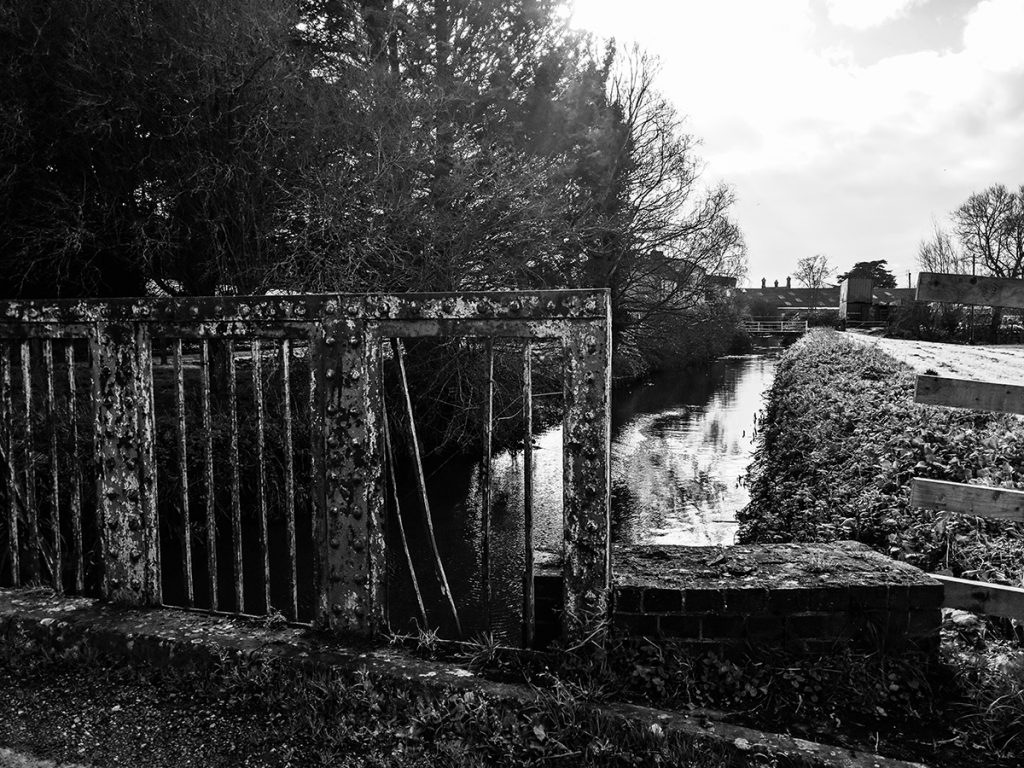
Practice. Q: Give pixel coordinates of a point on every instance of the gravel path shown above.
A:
(12, 759)
(1003, 363)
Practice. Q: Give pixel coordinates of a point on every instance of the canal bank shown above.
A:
(839, 442)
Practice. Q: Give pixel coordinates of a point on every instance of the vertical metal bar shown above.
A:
(585, 454)
(75, 491)
(147, 464)
(317, 416)
(261, 471)
(289, 477)
(392, 483)
(211, 520)
(421, 482)
(485, 483)
(29, 495)
(236, 501)
(7, 444)
(126, 466)
(529, 612)
(51, 424)
(186, 518)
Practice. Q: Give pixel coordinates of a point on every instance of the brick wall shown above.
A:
(802, 597)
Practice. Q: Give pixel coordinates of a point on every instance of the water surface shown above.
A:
(681, 444)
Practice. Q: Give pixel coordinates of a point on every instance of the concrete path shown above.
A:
(1003, 363)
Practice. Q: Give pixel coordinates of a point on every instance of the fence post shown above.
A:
(126, 467)
(586, 449)
(347, 433)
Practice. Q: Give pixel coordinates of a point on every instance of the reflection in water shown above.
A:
(680, 446)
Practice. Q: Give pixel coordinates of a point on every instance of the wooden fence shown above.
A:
(978, 500)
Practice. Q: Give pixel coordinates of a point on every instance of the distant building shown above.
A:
(774, 301)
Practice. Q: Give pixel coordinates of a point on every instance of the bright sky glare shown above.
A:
(845, 126)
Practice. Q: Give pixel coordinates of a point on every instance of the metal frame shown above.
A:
(346, 333)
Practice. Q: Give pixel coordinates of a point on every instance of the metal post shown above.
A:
(348, 519)
(126, 468)
(586, 491)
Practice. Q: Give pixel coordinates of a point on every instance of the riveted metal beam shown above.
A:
(348, 438)
(126, 468)
(586, 450)
(229, 315)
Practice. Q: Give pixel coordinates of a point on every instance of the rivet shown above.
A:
(330, 307)
(330, 373)
(335, 543)
(329, 341)
(135, 555)
(136, 585)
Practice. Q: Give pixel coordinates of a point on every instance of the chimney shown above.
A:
(787, 283)
(764, 283)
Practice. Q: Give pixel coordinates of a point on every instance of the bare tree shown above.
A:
(811, 272)
(941, 253)
(990, 225)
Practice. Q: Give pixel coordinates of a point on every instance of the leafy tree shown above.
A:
(157, 140)
(875, 271)
(346, 145)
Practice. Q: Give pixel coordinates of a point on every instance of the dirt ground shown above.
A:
(984, 362)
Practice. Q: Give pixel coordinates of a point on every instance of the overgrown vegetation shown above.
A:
(839, 441)
(258, 712)
(347, 145)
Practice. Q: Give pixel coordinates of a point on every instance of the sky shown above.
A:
(845, 127)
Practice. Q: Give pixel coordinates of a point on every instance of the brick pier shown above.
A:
(804, 597)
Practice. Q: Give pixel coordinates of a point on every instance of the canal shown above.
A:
(681, 443)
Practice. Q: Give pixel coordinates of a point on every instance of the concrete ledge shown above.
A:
(170, 636)
(805, 597)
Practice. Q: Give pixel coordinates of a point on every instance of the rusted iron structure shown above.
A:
(106, 349)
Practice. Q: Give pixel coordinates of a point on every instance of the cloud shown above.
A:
(864, 14)
(826, 153)
(993, 34)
